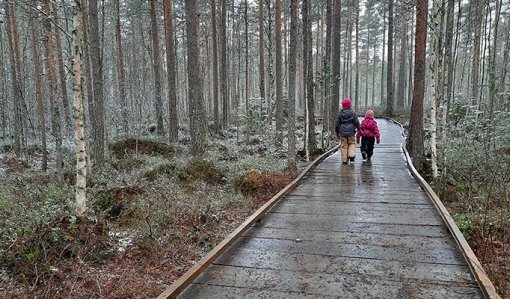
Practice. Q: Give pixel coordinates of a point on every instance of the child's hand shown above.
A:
(378, 140)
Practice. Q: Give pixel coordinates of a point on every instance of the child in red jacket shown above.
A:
(369, 134)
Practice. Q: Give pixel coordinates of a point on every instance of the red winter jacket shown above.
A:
(368, 129)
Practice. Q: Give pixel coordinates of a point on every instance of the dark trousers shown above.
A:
(367, 145)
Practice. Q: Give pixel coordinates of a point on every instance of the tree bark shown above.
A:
(356, 84)
(121, 73)
(195, 92)
(279, 87)
(171, 69)
(330, 115)
(477, 16)
(492, 66)
(310, 103)
(156, 67)
(50, 66)
(415, 138)
(79, 131)
(337, 36)
(39, 93)
(262, 82)
(15, 79)
(402, 72)
(61, 69)
(97, 115)
(214, 29)
(224, 91)
(389, 74)
(246, 59)
(291, 122)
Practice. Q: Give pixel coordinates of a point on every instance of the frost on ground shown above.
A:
(154, 211)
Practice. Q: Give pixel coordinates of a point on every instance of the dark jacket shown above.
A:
(346, 123)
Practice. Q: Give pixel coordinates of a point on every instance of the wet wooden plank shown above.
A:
(360, 217)
(334, 285)
(362, 238)
(410, 253)
(354, 208)
(303, 262)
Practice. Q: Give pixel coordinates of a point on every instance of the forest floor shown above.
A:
(153, 212)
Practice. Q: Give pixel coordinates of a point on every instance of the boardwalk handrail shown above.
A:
(187, 278)
(488, 289)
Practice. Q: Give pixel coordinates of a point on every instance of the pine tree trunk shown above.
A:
(121, 73)
(448, 67)
(15, 79)
(330, 116)
(50, 66)
(195, 92)
(492, 67)
(156, 68)
(262, 82)
(88, 69)
(402, 72)
(61, 69)
(291, 122)
(224, 91)
(279, 87)
(247, 59)
(171, 69)
(214, 29)
(415, 138)
(383, 97)
(39, 93)
(79, 131)
(337, 36)
(389, 74)
(3, 91)
(97, 115)
(307, 52)
(477, 16)
(356, 84)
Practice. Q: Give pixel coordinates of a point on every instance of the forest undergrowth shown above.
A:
(474, 185)
(153, 212)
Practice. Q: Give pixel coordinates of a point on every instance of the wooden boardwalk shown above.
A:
(364, 230)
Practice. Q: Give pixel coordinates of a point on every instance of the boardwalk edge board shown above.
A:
(187, 278)
(488, 289)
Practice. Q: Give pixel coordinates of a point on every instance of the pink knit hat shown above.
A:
(369, 114)
(346, 103)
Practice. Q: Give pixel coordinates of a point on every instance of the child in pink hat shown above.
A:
(347, 124)
(369, 134)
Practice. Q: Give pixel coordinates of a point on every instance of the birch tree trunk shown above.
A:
(437, 69)
(79, 131)
(38, 93)
(50, 66)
